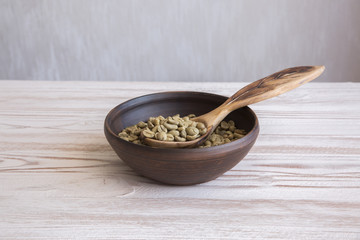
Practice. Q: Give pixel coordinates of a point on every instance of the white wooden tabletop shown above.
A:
(60, 179)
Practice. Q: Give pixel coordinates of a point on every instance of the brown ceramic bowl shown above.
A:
(178, 166)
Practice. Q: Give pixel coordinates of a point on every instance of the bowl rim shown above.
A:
(219, 147)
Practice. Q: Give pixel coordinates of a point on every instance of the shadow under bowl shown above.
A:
(178, 166)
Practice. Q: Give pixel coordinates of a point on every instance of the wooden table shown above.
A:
(59, 178)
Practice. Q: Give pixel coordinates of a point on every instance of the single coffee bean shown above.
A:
(224, 125)
(200, 125)
(180, 139)
(148, 133)
(169, 137)
(192, 131)
(170, 126)
(142, 124)
(174, 132)
(162, 136)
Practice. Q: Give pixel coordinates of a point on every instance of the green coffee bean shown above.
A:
(200, 125)
(137, 131)
(229, 135)
(148, 133)
(217, 130)
(193, 124)
(192, 131)
(213, 137)
(150, 125)
(174, 132)
(172, 121)
(170, 126)
(179, 139)
(224, 125)
(162, 128)
(151, 120)
(203, 131)
(240, 131)
(142, 124)
(183, 133)
(169, 137)
(156, 121)
(232, 128)
(162, 136)
(123, 134)
(131, 129)
(191, 115)
(133, 138)
(183, 124)
(155, 129)
(190, 138)
(221, 132)
(237, 135)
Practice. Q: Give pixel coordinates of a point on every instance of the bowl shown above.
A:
(178, 166)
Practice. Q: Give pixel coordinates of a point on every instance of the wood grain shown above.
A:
(61, 180)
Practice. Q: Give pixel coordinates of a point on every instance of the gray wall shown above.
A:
(173, 40)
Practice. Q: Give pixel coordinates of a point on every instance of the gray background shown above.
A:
(171, 40)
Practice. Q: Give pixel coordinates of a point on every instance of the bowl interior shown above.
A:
(171, 103)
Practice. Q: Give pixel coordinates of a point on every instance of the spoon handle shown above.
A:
(272, 86)
(265, 88)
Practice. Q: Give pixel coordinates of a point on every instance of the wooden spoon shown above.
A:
(257, 91)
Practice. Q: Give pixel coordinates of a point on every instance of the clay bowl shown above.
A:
(178, 166)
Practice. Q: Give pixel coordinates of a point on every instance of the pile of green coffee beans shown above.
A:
(180, 129)
(172, 128)
(226, 132)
